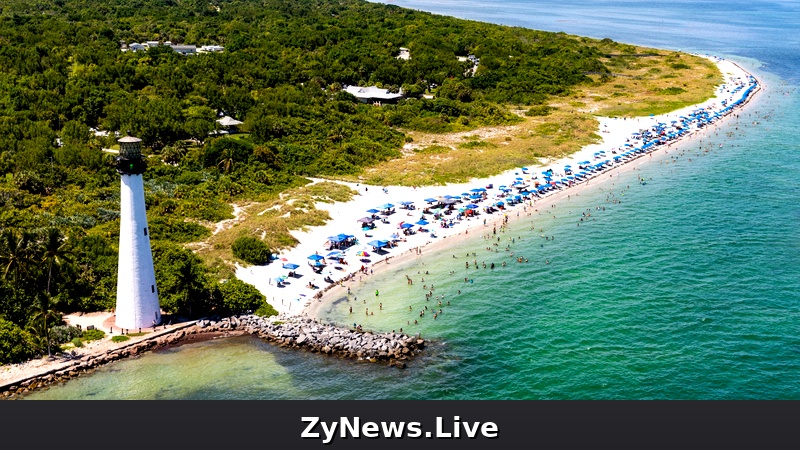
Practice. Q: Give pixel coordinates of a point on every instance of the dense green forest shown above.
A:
(282, 72)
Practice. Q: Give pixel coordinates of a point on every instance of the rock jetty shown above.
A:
(308, 334)
(291, 332)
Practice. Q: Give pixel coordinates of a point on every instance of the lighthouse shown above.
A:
(137, 296)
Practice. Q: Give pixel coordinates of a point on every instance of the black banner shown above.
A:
(399, 424)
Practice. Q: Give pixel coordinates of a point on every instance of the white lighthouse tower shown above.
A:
(137, 296)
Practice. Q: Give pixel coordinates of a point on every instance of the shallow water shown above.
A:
(687, 289)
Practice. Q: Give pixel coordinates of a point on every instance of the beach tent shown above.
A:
(378, 243)
(290, 266)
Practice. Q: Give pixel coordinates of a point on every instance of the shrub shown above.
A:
(540, 110)
(239, 297)
(93, 335)
(119, 338)
(674, 90)
(77, 342)
(266, 310)
(16, 344)
(62, 334)
(251, 250)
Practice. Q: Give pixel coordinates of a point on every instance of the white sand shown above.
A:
(296, 297)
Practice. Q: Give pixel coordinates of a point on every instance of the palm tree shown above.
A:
(15, 250)
(56, 252)
(44, 310)
(172, 154)
(227, 161)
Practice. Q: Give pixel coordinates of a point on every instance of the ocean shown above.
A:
(683, 286)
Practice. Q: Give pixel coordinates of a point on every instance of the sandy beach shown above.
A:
(297, 298)
(308, 291)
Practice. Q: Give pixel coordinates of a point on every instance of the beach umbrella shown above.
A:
(406, 203)
(316, 257)
(472, 206)
(365, 220)
(335, 254)
(406, 225)
(290, 266)
(395, 236)
(387, 206)
(430, 200)
(422, 222)
(281, 278)
(362, 253)
(373, 211)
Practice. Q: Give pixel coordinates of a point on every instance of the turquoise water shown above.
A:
(683, 288)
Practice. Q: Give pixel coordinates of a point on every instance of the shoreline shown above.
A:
(295, 299)
(309, 303)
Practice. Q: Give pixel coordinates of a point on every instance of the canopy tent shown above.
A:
(228, 121)
(378, 243)
(290, 266)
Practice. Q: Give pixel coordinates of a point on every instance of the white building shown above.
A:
(404, 53)
(137, 296)
(185, 49)
(211, 49)
(373, 94)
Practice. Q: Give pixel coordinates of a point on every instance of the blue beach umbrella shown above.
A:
(406, 225)
(373, 211)
(422, 222)
(316, 257)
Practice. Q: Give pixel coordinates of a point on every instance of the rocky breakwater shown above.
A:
(308, 334)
